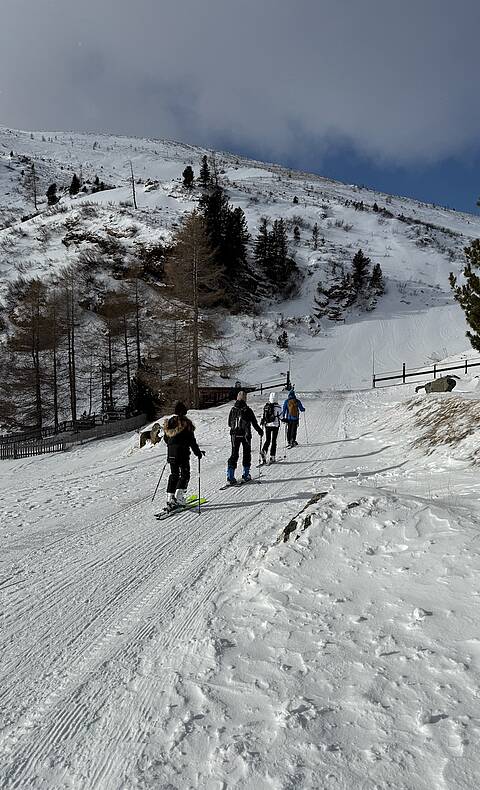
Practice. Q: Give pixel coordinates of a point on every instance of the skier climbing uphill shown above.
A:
(179, 435)
(291, 415)
(240, 421)
(272, 412)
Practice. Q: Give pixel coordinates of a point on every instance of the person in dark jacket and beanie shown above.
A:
(240, 421)
(179, 435)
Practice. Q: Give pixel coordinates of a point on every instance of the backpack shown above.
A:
(239, 424)
(293, 408)
(268, 413)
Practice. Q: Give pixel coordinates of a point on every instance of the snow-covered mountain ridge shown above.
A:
(416, 244)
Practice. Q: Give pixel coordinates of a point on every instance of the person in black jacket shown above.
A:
(240, 421)
(179, 435)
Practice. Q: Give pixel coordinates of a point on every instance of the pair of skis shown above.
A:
(190, 503)
(239, 484)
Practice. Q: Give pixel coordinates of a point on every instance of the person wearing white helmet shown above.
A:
(272, 412)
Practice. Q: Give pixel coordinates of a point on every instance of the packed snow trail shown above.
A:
(100, 614)
(201, 652)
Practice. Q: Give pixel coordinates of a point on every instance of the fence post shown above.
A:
(373, 382)
(403, 374)
(466, 366)
(435, 371)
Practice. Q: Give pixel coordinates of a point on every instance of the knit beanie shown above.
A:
(180, 409)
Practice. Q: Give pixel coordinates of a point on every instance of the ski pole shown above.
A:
(260, 457)
(199, 485)
(285, 441)
(156, 489)
(305, 426)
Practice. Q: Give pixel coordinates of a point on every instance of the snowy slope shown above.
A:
(416, 321)
(204, 651)
(200, 652)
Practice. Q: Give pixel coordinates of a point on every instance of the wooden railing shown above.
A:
(58, 444)
(434, 370)
(64, 427)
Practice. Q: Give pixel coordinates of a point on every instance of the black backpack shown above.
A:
(268, 413)
(238, 423)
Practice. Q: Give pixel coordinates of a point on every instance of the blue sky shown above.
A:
(366, 91)
(450, 182)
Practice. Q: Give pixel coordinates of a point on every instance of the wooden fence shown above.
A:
(31, 447)
(435, 370)
(66, 426)
(58, 444)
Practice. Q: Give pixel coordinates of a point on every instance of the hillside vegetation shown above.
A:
(311, 275)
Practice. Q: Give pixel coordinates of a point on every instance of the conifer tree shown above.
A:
(228, 236)
(30, 184)
(360, 272)
(296, 234)
(262, 245)
(188, 177)
(26, 343)
(468, 294)
(315, 236)
(52, 195)
(205, 178)
(194, 280)
(377, 282)
(75, 185)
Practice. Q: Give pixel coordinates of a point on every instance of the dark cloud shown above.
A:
(394, 80)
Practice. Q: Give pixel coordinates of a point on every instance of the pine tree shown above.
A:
(75, 185)
(296, 234)
(188, 177)
(468, 294)
(215, 207)
(235, 240)
(262, 245)
(279, 252)
(30, 184)
(377, 282)
(228, 236)
(205, 178)
(27, 346)
(194, 281)
(360, 272)
(52, 195)
(315, 236)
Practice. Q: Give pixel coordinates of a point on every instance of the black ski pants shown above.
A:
(246, 445)
(292, 428)
(179, 474)
(271, 434)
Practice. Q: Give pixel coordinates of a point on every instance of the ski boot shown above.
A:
(231, 476)
(180, 497)
(171, 502)
(263, 456)
(246, 477)
(272, 460)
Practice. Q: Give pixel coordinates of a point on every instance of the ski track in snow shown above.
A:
(103, 612)
(201, 652)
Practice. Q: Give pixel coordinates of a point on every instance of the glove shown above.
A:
(202, 452)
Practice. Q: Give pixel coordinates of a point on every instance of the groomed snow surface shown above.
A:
(221, 650)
